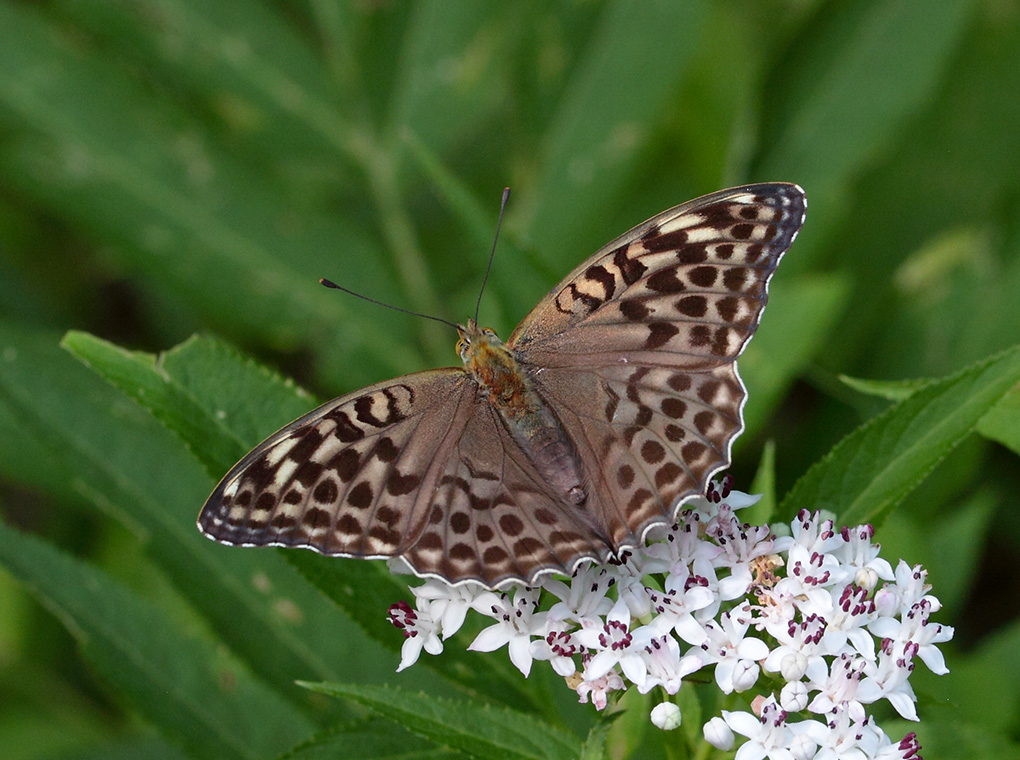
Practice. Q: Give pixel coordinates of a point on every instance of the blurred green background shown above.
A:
(171, 167)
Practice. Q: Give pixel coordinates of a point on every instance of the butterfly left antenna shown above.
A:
(492, 254)
(334, 286)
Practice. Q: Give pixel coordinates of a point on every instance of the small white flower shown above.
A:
(666, 716)
(777, 612)
(794, 696)
(770, 735)
(630, 588)
(745, 674)
(859, 552)
(808, 572)
(615, 644)
(889, 677)
(448, 604)
(852, 611)
(910, 587)
(674, 607)
(516, 623)
(682, 543)
(811, 532)
(721, 492)
(420, 632)
(907, 748)
(866, 578)
(730, 651)
(718, 734)
(803, 747)
(916, 628)
(792, 666)
(848, 738)
(584, 601)
(840, 688)
(800, 646)
(664, 665)
(598, 690)
(558, 647)
(741, 544)
(887, 602)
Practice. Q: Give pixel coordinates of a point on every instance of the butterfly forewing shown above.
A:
(350, 478)
(684, 289)
(633, 358)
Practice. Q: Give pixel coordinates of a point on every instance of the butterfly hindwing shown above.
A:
(648, 436)
(493, 518)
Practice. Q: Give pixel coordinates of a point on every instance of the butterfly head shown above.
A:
(475, 342)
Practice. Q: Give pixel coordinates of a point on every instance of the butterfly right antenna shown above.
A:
(488, 268)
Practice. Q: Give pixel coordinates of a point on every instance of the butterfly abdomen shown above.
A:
(541, 436)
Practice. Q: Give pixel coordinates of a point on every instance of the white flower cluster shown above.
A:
(830, 623)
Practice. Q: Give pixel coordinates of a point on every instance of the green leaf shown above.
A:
(373, 738)
(348, 583)
(873, 468)
(1002, 423)
(892, 390)
(181, 684)
(139, 376)
(240, 394)
(476, 730)
(594, 747)
(218, 402)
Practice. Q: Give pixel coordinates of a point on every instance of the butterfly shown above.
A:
(614, 401)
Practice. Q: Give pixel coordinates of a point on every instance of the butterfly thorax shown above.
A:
(505, 384)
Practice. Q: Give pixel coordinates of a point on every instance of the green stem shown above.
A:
(703, 751)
